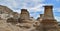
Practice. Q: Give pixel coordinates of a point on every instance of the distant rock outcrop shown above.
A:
(6, 12)
(4, 9)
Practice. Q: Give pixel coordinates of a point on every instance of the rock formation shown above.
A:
(40, 18)
(24, 16)
(23, 22)
(48, 13)
(4, 9)
(6, 12)
(49, 23)
(15, 15)
(12, 21)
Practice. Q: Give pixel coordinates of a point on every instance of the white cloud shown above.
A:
(57, 18)
(35, 15)
(56, 9)
(9, 3)
(29, 4)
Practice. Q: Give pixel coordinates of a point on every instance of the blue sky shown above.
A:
(35, 7)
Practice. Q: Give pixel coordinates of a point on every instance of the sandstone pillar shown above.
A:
(48, 13)
(24, 14)
(48, 22)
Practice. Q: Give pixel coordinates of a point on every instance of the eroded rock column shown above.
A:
(24, 14)
(48, 12)
(48, 22)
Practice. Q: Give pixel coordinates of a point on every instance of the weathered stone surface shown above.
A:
(15, 15)
(8, 27)
(12, 21)
(24, 14)
(48, 13)
(6, 12)
(4, 9)
(48, 21)
(40, 18)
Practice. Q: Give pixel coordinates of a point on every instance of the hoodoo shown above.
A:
(48, 21)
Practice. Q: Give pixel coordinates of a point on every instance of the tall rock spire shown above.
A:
(48, 12)
(48, 22)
